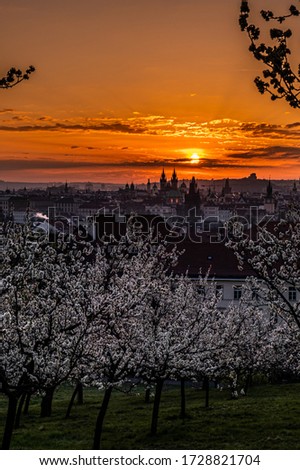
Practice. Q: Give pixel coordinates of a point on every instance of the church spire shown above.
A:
(163, 181)
(269, 190)
(174, 180)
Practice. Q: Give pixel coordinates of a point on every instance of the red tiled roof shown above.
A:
(216, 258)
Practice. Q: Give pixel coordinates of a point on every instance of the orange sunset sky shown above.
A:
(125, 87)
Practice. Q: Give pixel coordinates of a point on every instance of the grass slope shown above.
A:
(269, 418)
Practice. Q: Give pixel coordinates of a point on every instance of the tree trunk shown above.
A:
(182, 399)
(248, 383)
(158, 390)
(233, 388)
(46, 405)
(206, 388)
(147, 394)
(71, 403)
(79, 393)
(100, 419)
(19, 410)
(26, 406)
(10, 421)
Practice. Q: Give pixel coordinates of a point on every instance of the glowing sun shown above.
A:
(195, 158)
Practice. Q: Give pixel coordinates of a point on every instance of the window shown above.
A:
(292, 294)
(237, 292)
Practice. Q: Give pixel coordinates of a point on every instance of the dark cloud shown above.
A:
(253, 126)
(164, 126)
(18, 118)
(43, 164)
(117, 127)
(47, 164)
(6, 110)
(272, 153)
(293, 125)
(290, 131)
(223, 163)
(84, 147)
(252, 158)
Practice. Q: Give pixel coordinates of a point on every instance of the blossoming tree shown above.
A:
(42, 327)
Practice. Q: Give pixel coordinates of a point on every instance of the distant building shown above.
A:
(66, 206)
(5, 206)
(269, 203)
(227, 189)
(149, 187)
(192, 199)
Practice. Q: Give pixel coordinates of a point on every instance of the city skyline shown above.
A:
(124, 88)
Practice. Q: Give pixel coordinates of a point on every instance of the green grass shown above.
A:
(268, 418)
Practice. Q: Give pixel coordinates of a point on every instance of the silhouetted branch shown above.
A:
(15, 76)
(278, 79)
